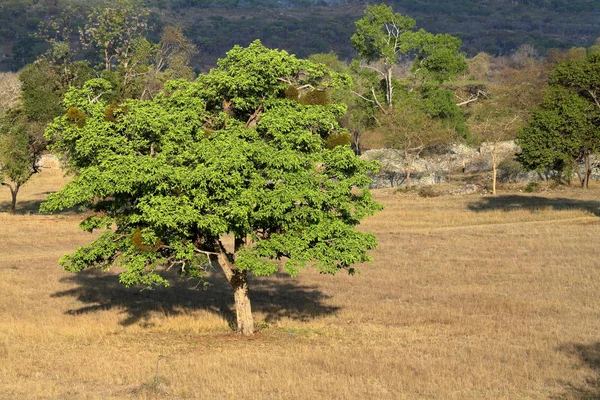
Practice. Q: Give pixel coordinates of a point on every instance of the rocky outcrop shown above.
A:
(435, 168)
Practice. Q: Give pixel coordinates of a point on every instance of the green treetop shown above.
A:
(233, 153)
(565, 130)
(390, 38)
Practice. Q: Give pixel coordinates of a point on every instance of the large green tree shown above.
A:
(233, 154)
(565, 131)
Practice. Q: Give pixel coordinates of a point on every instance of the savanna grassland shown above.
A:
(469, 297)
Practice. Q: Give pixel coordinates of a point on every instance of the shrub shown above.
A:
(427, 191)
(532, 187)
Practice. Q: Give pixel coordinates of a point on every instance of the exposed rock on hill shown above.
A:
(455, 161)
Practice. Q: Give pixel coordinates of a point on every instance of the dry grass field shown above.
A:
(472, 297)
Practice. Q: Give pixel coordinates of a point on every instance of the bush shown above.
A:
(427, 191)
(402, 189)
(532, 187)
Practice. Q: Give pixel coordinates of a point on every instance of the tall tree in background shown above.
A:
(114, 30)
(415, 98)
(389, 38)
(503, 93)
(565, 131)
(237, 153)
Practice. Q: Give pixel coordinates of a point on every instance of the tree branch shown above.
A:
(254, 115)
(206, 253)
(594, 96)
(472, 99)
(377, 101)
(374, 69)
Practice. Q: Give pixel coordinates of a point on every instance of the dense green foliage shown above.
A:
(230, 153)
(382, 35)
(565, 130)
(389, 38)
(20, 149)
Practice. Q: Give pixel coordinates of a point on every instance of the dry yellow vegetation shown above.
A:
(470, 297)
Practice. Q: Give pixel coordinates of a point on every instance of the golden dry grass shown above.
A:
(470, 297)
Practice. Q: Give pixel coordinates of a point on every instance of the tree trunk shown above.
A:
(494, 172)
(588, 172)
(389, 87)
(14, 191)
(243, 310)
(13, 204)
(106, 58)
(408, 161)
(239, 282)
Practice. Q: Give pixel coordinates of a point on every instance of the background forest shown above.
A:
(306, 27)
(407, 89)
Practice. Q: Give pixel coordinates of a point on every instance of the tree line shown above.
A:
(307, 27)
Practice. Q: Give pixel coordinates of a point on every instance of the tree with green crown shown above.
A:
(390, 38)
(241, 152)
(564, 132)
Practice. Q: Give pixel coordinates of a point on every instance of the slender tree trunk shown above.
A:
(106, 59)
(588, 171)
(239, 282)
(14, 191)
(494, 172)
(13, 204)
(389, 88)
(408, 171)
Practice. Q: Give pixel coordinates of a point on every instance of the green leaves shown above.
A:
(16, 161)
(566, 127)
(380, 33)
(228, 154)
(384, 35)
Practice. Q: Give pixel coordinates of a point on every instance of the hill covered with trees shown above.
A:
(305, 27)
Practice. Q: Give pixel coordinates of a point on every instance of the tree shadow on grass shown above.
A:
(533, 203)
(589, 357)
(33, 207)
(272, 297)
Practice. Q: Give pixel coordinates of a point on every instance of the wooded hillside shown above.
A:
(305, 27)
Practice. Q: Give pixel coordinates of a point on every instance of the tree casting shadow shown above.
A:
(270, 296)
(533, 203)
(589, 356)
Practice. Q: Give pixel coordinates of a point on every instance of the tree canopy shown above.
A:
(21, 145)
(565, 130)
(390, 38)
(233, 153)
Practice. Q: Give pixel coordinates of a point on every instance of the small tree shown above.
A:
(19, 154)
(510, 96)
(495, 128)
(233, 153)
(411, 130)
